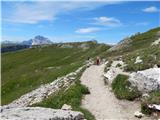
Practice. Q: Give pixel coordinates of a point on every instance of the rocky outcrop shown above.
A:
(44, 91)
(39, 113)
(147, 80)
(37, 40)
(122, 44)
(156, 42)
(84, 46)
(154, 106)
(114, 70)
(67, 46)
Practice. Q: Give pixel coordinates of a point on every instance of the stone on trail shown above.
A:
(138, 114)
(66, 107)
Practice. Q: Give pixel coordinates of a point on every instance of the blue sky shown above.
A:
(105, 21)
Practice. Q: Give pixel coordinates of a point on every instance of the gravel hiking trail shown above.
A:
(101, 102)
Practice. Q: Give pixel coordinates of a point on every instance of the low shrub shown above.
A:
(123, 89)
(145, 109)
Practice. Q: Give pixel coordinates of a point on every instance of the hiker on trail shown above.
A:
(97, 61)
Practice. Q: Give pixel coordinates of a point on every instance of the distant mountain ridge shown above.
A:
(8, 42)
(8, 46)
(37, 40)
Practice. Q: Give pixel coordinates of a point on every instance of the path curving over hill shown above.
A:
(101, 102)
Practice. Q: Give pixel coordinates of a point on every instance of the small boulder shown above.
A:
(66, 107)
(145, 96)
(154, 107)
(138, 60)
(138, 114)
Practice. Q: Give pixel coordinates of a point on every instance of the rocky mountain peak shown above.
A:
(38, 40)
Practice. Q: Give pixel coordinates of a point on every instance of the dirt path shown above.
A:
(102, 102)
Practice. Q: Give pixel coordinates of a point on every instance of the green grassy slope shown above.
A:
(150, 56)
(138, 42)
(25, 70)
(140, 45)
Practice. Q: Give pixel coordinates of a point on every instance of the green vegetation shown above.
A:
(140, 45)
(138, 41)
(122, 88)
(149, 56)
(25, 70)
(71, 96)
(143, 40)
(154, 98)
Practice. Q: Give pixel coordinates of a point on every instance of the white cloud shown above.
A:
(34, 12)
(88, 30)
(107, 21)
(151, 9)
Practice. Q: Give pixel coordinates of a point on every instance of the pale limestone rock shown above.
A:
(39, 113)
(66, 107)
(154, 106)
(146, 80)
(66, 46)
(145, 96)
(113, 71)
(156, 42)
(138, 60)
(122, 44)
(84, 46)
(138, 114)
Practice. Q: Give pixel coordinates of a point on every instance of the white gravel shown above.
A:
(101, 102)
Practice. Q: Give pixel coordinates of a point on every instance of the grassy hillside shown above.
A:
(136, 42)
(139, 45)
(25, 70)
(149, 56)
